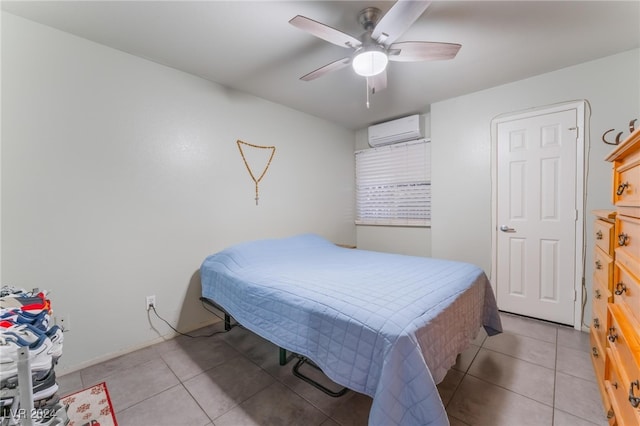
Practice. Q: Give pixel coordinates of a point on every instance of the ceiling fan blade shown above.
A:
(413, 51)
(377, 82)
(333, 66)
(325, 32)
(397, 20)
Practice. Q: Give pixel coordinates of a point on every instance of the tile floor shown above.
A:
(535, 373)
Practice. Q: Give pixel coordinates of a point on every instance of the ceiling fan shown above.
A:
(376, 46)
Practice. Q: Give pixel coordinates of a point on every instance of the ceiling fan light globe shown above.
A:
(369, 63)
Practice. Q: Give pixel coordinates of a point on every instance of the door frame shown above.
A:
(581, 107)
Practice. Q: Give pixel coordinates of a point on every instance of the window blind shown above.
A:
(393, 184)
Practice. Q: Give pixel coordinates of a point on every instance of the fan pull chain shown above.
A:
(367, 86)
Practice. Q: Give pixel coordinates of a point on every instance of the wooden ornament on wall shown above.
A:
(255, 179)
(619, 137)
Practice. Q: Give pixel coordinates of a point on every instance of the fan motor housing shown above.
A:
(369, 17)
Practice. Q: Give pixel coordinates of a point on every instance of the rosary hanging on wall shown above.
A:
(246, 163)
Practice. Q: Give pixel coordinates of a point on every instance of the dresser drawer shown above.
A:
(598, 355)
(626, 290)
(618, 393)
(627, 240)
(602, 268)
(601, 296)
(603, 232)
(623, 339)
(599, 323)
(626, 180)
(598, 360)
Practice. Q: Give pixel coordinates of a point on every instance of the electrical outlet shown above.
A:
(64, 322)
(151, 301)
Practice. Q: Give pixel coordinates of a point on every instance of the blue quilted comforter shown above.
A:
(386, 325)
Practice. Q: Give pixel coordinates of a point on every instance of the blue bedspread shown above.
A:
(385, 325)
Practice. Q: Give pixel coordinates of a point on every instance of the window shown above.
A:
(393, 184)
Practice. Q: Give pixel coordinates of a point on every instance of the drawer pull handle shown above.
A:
(612, 337)
(634, 400)
(622, 187)
(598, 264)
(598, 295)
(610, 414)
(620, 288)
(599, 235)
(595, 352)
(615, 385)
(623, 239)
(596, 324)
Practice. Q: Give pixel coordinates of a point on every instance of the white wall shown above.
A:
(461, 147)
(415, 241)
(120, 175)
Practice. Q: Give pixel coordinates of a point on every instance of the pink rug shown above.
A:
(90, 407)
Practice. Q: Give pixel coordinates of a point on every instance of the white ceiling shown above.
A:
(250, 46)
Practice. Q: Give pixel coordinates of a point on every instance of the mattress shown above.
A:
(386, 325)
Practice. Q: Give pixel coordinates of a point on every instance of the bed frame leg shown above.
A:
(227, 317)
(227, 322)
(296, 372)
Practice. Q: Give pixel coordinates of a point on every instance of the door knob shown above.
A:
(505, 228)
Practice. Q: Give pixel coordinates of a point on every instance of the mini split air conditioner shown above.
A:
(395, 131)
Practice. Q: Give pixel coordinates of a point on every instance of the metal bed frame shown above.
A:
(284, 359)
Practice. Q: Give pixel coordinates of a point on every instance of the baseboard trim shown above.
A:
(62, 370)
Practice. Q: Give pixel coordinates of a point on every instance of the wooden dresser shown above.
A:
(615, 327)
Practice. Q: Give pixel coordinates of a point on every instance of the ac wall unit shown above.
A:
(400, 130)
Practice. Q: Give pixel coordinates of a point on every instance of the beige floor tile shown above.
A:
(482, 334)
(252, 346)
(97, 373)
(480, 403)
(266, 354)
(527, 379)
(455, 422)
(560, 418)
(354, 412)
(197, 355)
(330, 422)
(525, 348)
(274, 405)
(575, 362)
(529, 327)
(169, 408)
(464, 360)
(223, 387)
(135, 384)
(327, 404)
(579, 397)
(574, 339)
(448, 386)
(69, 383)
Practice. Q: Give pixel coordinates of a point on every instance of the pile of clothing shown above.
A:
(26, 325)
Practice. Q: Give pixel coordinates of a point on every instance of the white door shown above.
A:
(536, 213)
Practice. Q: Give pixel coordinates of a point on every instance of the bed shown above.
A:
(386, 325)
